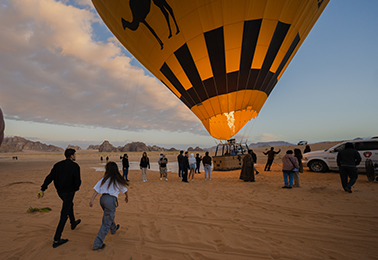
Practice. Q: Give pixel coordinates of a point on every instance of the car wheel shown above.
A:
(317, 166)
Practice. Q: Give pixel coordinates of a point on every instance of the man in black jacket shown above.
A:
(180, 159)
(347, 160)
(66, 177)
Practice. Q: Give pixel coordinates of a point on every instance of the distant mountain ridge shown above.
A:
(18, 144)
(131, 147)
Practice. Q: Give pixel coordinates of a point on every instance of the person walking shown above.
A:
(125, 166)
(185, 167)
(192, 165)
(247, 171)
(180, 159)
(144, 163)
(271, 153)
(289, 164)
(207, 165)
(198, 163)
(163, 167)
(110, 185)
(347, 160)
(66, 177)
(299, 156)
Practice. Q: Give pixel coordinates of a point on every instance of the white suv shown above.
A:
(321, 161)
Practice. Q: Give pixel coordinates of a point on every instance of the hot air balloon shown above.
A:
(2, 127)
(221, 58)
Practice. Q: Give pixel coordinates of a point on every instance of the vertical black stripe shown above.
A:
(275, 44)
(251, 32)
(186, 61)
(215, 48)
(167, 72)
(284, 61)
(232, 81)
(210, 87)
(253, 75)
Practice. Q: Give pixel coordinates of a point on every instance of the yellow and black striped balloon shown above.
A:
(221, 58)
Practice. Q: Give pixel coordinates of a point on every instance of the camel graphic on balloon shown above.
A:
(141, 8)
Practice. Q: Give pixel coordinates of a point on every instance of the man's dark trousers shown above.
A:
(346, 172)
(67, 211)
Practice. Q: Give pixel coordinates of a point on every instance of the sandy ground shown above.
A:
(224, 218)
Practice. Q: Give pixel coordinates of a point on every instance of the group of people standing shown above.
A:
(188, 166)
(192, 165)
(347, 161)
(291, 166)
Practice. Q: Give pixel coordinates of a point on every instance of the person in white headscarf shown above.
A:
(192, 165)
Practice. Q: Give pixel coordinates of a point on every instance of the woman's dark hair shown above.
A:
(298, 154)
(144, 153)
(289, 152)
(112, 173)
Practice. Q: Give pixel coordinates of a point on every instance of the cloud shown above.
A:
(53, 72)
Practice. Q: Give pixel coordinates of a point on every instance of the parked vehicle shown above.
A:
(321, 161)
(302, 143)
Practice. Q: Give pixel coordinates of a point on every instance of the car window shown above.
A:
(363, 146)
(339, 148)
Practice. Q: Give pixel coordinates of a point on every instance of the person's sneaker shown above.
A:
(289, 187)
(59, 242)
(348, 190)
(77, 222)
(113, 232)
(257, 172)
(99, 247)
(284, 187)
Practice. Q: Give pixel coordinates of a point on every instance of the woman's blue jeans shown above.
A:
(289, 174)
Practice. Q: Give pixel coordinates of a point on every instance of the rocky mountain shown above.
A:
(131, 147)
(93, 147)
(18, 143)
(107, 147)
(6, 148)
(197, 149)
(77, 148)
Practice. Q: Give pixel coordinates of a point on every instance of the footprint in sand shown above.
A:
(221, 247)
(196, 255)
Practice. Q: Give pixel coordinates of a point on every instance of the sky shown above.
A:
(65, 79)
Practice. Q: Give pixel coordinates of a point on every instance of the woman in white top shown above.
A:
(192, 165)
(110, 185)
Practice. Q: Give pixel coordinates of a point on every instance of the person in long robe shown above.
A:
(247, 172)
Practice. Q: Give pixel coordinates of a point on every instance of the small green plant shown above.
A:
(32, 210)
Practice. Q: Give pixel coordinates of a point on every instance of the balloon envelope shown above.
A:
(221, 58)
(2, 126)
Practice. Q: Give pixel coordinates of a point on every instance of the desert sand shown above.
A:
(224, 218)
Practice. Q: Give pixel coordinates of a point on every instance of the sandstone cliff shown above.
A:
(20, 144)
